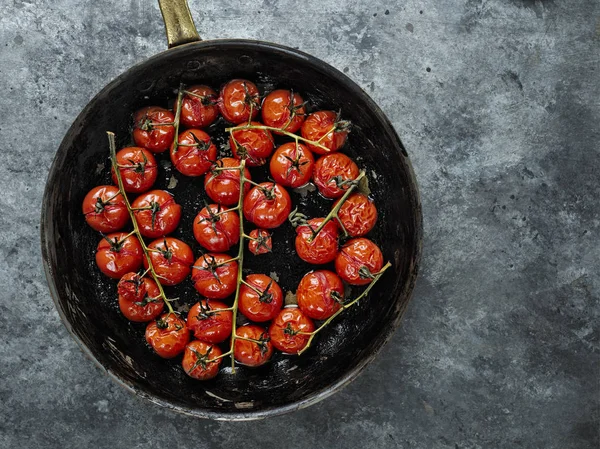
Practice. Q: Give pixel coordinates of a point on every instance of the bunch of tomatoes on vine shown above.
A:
(145, 259)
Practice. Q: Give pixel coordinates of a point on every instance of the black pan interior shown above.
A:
(87, 301)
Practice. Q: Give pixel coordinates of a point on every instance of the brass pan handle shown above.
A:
(178, 22)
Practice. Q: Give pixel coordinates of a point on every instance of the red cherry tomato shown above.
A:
(267, 205)
(239, 101)
(168, 335)
(260, 242)
(260, 298)
(150, 132)
(216, 229)
(223, 186)
(332, 174)
(320, 249)
(171, 258)
(292, 165)
(215, 275)
(118, 254)
(138, 169)
(200, 360)
(252, 353)
(284, 110)
(104, 209)
(358, 214)
(157, 213)
(139, 298)
(320, 294)
(198, 107)
(209, 325)
(194, 153)
(285, 330)
(254, 145)
(326, 128)
(358, 260)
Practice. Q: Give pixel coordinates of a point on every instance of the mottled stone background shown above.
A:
(498, 104)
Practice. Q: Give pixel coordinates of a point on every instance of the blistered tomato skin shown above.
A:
(156, 213)
(285, 330)
(358, 260)
(332, 174)
(284, 110)
(105, 210)
(260, 298)
(292, 165)
(321, 249)
(194, 153)
(320, 294)
(215, 229)
(358, 214)
(168, 335)
(118, 254)
(207, 323)
(215, 275)
(326, 128)
(267, 205)
(138, 169)
(199, 107)
(200, 360)
(153, 128)
(252, 353)
(223, 186)
(260, 242)
(254, 145)
(143, 306)
(172, 260)
(239, 101)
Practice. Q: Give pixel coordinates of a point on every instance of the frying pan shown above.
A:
(86, 301)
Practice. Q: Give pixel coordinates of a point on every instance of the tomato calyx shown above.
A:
(266, 296)
(166, 252)
(101, 204)
(341, 182)
(249, 99)
(116, 245)
(162, 324)
(206, 312)
(201, 145)
(268, 192)
(262, 241)
(211, 266)
(147, 300)
(213, 217)
(336, 297)
(295, 164)
(289, 330)
(155, 209)
(341, 125)
(206, 100)
(136, 281)
(365, 273)
(201, 359)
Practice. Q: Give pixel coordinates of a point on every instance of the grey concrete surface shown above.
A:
(498, 103)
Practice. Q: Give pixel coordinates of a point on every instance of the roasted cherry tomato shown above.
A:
(320, 249)
(168, 335)
(283, 109)
(267, 205)
(358, 214)
(216, 229)
(223, 186)
(200, 360)
(215, 275)
(239, 101)
(252, 353)
(194, 153)
(358, 261)
(139, 298)
(199, 107)
(157, 213)
(260, 298)
(292, 165)
(254, 145)
(286, 327)
(326, 128)
(172, 260)
(333, 174)
(260, 242)
(118, 254)
(104, 209)
(207, 323)
(138, 169)
(320, 294)
(153, 128)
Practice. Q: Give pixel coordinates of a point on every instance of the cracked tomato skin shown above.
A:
(199, 112)
(358, 214)
(239, 97)
(109, 217)
(284, 328)
(284, 110)
(250, 353)
(328, 168)
(323, 248)
(131, 304)
(190, 358)
(116, 262)
(166, 218)
(168, 335)
(217, 285)
(192, 160)
(257, 144)
(292, 165)
(138, 169)
(266, 212)
(355, 254)
(210, 327)
(256, 247)
(319, 124)
(223, 187)
(260, 308)
(154, 138)
(216, 233)
(314, 294)
(171, 263)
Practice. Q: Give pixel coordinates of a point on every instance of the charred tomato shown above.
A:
(156, 213)
(104, 209)
(171, 258)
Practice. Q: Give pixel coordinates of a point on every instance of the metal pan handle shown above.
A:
(178, 22)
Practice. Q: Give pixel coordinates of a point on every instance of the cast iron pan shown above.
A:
(86, 301)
